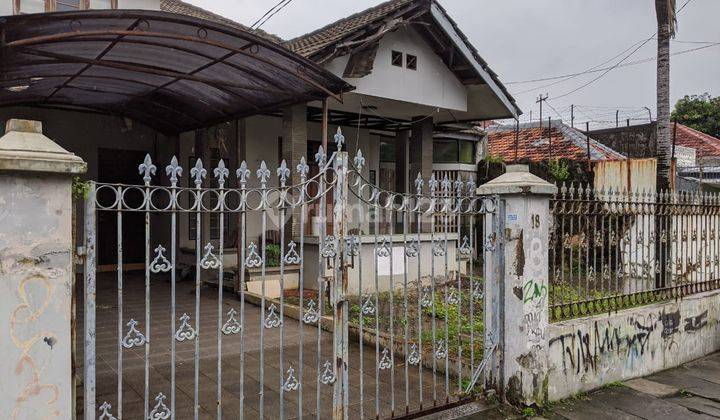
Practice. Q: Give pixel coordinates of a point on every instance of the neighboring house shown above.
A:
(697, 155)
(401, 77)
(590, 160)
(638, 141)
(536, 142)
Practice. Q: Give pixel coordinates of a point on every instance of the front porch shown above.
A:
(257, 377)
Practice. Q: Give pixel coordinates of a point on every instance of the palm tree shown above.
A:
(666, 20)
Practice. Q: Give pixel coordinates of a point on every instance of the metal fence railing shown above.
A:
(612, 249)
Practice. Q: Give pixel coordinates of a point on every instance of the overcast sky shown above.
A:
(523, 39)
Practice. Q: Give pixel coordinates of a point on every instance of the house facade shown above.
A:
(406, 85)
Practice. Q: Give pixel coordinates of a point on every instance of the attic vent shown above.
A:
(396, 59)
(411, 62)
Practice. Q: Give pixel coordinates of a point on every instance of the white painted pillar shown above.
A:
(36, 273)
(517, 298)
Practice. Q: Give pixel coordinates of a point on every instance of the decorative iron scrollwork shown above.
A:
(160, 263)
(272, 320)
(385, 360)
(160, 411)
(133, 338)
(209, 260)
(185, 331)
(232, 325)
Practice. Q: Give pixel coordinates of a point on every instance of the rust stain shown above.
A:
(519, 256)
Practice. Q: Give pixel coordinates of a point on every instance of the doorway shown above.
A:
(120, 166)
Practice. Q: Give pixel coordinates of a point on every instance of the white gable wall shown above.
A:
(38, 6)
(432, 84)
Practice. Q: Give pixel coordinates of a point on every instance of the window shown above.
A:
(467, 152)
(40, 6)
(411, 61)
(67, 5)
(387, 150)
(396, 58)
(453, 151)
(445, 151)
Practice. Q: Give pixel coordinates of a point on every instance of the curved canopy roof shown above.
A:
(172, 72)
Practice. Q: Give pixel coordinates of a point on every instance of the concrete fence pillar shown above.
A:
(517, 296)
(36, 273)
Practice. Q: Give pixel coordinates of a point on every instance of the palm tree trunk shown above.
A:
(665, 11)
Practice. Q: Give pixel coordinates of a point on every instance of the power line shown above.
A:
(628, 64)
(620, 62)
(643, 43)
(270, 13)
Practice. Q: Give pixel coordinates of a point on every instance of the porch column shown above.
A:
(421, 155)
(294, 147)
(36, 287)
(401, 161)
(516, 291)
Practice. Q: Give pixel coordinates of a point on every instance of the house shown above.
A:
(539, 142)
(168, 78)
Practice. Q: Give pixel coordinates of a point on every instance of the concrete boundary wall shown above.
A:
(587, 353)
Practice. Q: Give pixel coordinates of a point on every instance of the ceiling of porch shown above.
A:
(174, 73)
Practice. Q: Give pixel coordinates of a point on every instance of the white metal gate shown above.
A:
(346, 323)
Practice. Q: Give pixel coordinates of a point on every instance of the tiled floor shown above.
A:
(259, 343)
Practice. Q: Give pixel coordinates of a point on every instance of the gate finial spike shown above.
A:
(198, 172)
(174, 170)
(320, 156)
(303, 168)
(419, 184)
(471, 186)
(147, 168)
(221, 172)
(243, 173)
(263, 173)
(432, 184)
(359, 160)
(283, 172)
(339, 139)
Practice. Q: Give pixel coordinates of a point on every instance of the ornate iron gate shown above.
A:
(347, 323)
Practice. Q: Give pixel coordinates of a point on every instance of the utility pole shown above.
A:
(617, 118)
(572, 115)
(541, 99)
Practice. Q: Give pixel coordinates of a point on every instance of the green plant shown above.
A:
(80, 188)
(272, 255)
(528, 412)
(559, 169)
(615, 384)
(493, 159)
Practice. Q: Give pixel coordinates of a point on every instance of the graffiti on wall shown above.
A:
(628, 340)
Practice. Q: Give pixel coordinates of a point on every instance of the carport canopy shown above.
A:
(172, 72)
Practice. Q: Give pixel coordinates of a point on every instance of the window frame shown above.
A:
(411, 65)
(397, 58)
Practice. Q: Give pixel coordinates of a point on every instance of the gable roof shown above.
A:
(705, 144)
(534, 145)
(331, 34)
(187, 9)
(429, 19)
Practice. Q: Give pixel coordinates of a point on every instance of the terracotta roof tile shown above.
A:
(705, 144)
(310, 43)
(182, 8)
(535, 146)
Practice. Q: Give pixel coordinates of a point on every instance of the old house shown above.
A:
(396, 74)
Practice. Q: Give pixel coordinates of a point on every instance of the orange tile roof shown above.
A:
(537, 144)
(705, 144)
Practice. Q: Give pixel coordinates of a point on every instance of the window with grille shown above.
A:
(396, 58)
(411, 61)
